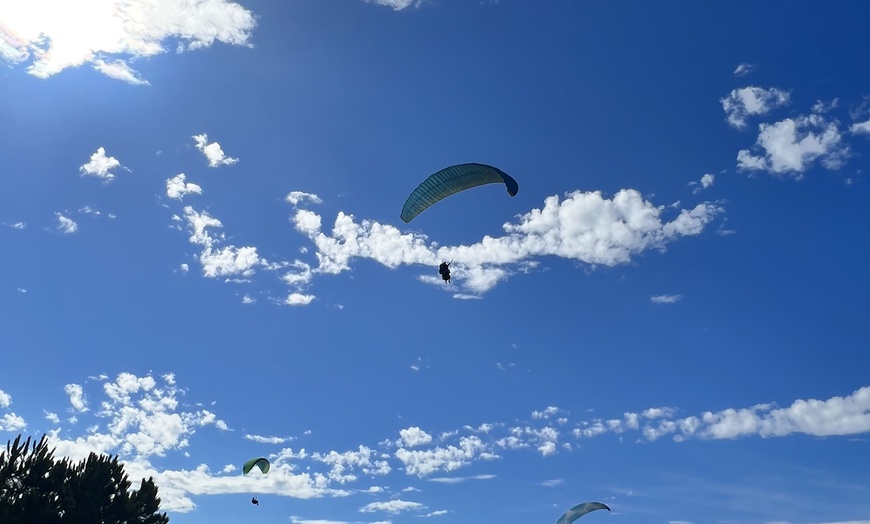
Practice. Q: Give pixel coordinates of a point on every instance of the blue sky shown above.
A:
(204, 260)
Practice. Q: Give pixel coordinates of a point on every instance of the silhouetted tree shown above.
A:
(35, 488)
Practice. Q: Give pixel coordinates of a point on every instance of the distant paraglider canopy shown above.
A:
(451, 180)
(579, 510)
(259, 462)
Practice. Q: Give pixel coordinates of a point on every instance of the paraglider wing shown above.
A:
(579, 510)
(452, 180)
(259, 462)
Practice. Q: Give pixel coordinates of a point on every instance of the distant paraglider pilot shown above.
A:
(444, 271)
(254, 501)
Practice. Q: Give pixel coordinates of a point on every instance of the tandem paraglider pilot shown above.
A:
(444, 271)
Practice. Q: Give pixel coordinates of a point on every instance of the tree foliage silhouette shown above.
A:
(35, 488)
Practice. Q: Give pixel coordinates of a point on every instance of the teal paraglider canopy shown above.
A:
(259, 462)
(579, 510)
(452, 180)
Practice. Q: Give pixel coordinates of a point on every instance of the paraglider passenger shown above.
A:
(255, 501)
(444, 271)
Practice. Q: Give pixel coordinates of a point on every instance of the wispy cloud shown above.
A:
(268, 440)
(66, 224)
(860, 128)
(398, 5)
(665, 299)
(552, 482)
(546, 413)
(744, 69)
(393, 507)
(705, 182)
(459, 480)
(120, 70)
(297, 197)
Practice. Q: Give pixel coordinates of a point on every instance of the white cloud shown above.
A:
(595, 428)
(836, 416)
(392, 507)
(213, 152)
(823, 107)
(343, 464)
(654, 413)
(101, 166)
(459, 480)
(665, 299)
(548, 412)
(298, 299)
(298, 278)
(177, 187)
(584, 226)
(217, 262)
(268, 440)
(296, 197)
(248, 299)
(16, 225)
(141, 417)
(425, 462)
(860, 128)
(66, 224)
(12, 422)
(413, 436)
(792, 145)
(52, 417)
(553, 482)
(76, 397)
(398, 5)
(546, 438)
(743, 103)
(705, 182)
(88, 210)
(56, 34)
(744, 69)
(486, 427)
(436, 513)
(120, 70)
(140, 420)
(5, 399)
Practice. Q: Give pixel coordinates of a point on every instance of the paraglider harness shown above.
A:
(444, 271)
(255, 501)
